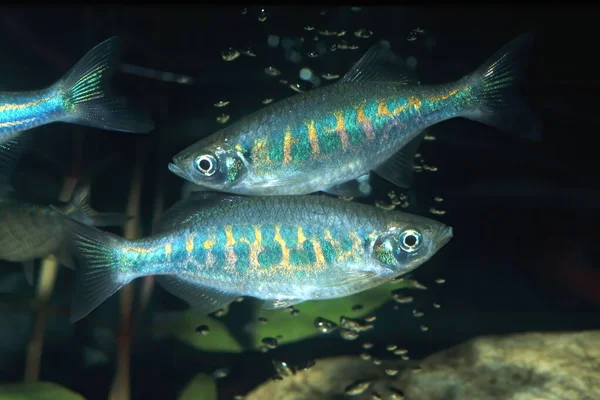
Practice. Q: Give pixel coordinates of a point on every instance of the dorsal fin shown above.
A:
(380, 64)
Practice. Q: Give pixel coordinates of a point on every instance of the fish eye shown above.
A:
(206, 165)
(410, 240)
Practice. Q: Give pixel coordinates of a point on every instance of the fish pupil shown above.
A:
(410, 240)
(205, 165)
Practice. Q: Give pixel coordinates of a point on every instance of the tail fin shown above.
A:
(81, 210)
(99, 275)
(495, 85)
(87, 93)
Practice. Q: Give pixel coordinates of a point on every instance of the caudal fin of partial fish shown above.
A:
(495, 87)
(87, 96)
(80, 209)
(98, 275)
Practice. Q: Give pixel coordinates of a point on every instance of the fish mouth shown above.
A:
(178, 171)
(444, 237)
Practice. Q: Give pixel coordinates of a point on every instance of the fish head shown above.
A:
(215, 165)
(409, 240)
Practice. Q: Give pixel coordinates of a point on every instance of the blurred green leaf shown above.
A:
(183, 326)
(37, 391)
(201, 387)
(301, 326)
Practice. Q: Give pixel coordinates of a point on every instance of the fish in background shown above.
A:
(82, 96)
(29, 231)
(330, 138)
(212, 248)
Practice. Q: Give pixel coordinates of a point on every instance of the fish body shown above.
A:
(81, 96)
(29, 231)
(370, 121)
(282, 249)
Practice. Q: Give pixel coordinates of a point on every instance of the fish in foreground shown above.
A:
(81, 96)
(212, 248)
(330, 138)
(29, 231)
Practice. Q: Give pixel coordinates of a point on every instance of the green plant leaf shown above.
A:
(201, 387)
(183, 325)
(298, 327)
(37, 391)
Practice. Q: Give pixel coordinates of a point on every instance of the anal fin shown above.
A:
(204, 299)
(359, 187)
(399, 168)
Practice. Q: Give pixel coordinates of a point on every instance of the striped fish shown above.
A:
(212, 248)
(330, 138)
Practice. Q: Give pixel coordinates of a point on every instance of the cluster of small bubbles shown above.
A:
(272, 71)
(330, 77)
(273, 41)
(309, 28)
(391, 347)
(417, 168)
(356, 325)
(440, 281)
(436, 211)
(333, 47)
(341, 33)
(343, 45)
(270, 342)
(283, 81)
(431, 138)
(267, 101)
(400, 352)
(405, 357)
(325, 325)
(347, 334)
(357, 307)
(221, 103)
(262, 15)
(401, 298)
(230, 54)
(262, 320)
(221, 312)
(221, 373)
(357, 388)
(416, 368)
(430, 168)
(418, 313)
(363, 33)
(438, 199)
(312, 54)
(203, 329)
(391, 371)
(346, 198)
(371, 318)
(424, 328)
(367, 345)
(223, 118)
(437, 305)
(377, 361)
(376, 396)
(248, 52)
(365, 356)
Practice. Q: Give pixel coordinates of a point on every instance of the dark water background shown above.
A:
(525, 215)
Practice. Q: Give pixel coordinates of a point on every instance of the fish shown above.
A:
(331, 138)
(82, 96)
(29, 231)
(212, 248)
